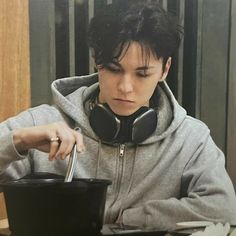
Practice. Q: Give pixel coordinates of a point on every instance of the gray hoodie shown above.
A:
(177, 174)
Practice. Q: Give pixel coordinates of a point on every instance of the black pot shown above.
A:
(49, 206)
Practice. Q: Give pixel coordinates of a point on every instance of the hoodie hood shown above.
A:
(70, 95)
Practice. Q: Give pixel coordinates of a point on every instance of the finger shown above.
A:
(68, 150)
(78, 139)
(54, 145)
(79, 142)
(66, 145)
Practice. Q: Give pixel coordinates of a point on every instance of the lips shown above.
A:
(123, 100)
(123, 107)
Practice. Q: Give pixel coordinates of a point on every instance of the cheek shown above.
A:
(106, 89)
(146, 92)
(106, 85)
(146, 89)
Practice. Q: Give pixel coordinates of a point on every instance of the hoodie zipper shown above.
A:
(119, 178)
(121, 150)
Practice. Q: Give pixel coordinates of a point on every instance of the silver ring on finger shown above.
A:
(54, 139)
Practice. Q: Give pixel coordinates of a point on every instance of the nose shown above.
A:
(125, 84)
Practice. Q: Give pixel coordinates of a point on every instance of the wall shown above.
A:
(231, 109)
(14, 62)
(202, 75)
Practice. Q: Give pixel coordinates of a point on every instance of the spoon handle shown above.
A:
(71, 165)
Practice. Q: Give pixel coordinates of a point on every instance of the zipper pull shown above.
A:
(122, 150)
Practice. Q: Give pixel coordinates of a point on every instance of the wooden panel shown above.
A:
(231, 128)
(190, 55)
(62, 40)
(81, 47)
(3, 213)
(42, 49)
(14, 57)
(14, 62)
(175, 75)
(214, 60)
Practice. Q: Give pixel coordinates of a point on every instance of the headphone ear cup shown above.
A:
(144, 125)
(104, 123)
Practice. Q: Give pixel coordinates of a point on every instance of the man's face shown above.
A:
(129, 84)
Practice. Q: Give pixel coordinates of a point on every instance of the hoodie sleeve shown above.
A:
(12, 164)
(207, 194)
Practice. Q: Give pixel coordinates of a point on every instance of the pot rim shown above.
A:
(52, 181)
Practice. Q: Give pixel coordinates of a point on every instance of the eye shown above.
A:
(113, 68)
(142, 74)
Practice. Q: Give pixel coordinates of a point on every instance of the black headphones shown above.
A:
(113, 128)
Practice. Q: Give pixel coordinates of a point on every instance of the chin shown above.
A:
(124, 112)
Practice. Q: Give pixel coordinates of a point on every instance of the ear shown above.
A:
(166, 69)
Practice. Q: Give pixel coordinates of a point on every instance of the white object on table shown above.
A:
(214, 230)
(193, 224)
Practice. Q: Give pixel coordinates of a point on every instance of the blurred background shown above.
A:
(43, 40)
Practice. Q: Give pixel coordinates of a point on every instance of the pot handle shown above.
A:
(71, 165)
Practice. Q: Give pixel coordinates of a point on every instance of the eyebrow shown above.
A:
(145, 67)
(138, 68)
(115, 63)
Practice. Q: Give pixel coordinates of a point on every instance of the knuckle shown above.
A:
(67, 153)
(69, 139)
(78, 135)
(63, 124)
(59, 152)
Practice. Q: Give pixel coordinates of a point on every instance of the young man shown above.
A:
(164, 165)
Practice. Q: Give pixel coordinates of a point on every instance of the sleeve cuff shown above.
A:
(17, 154)
(134, 217)
(8, 150)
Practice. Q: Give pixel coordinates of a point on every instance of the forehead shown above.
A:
(137, 54)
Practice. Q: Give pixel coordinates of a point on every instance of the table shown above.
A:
(108, 230)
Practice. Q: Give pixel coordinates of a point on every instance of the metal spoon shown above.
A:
(71, 165)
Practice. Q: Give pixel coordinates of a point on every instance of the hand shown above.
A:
(57, 139)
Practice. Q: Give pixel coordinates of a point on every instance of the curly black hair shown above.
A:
(112, 30)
